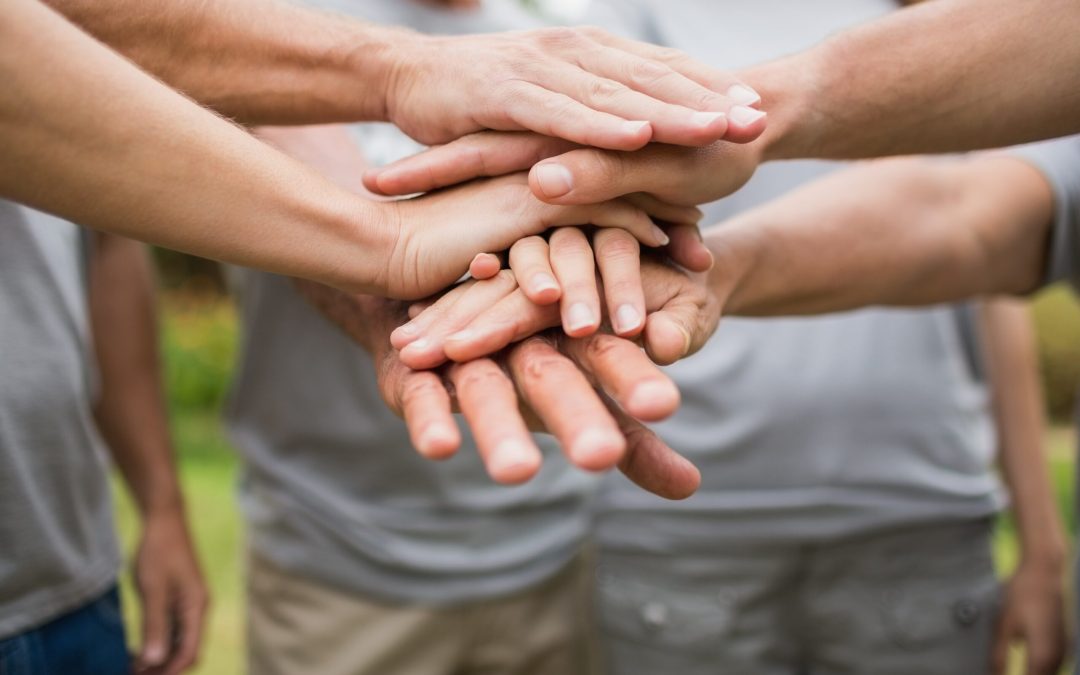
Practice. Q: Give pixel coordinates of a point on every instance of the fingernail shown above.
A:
(706, 119)
(627, 318)
(740, 94)
(408, 329)
(420, 345)
(153, 654)
(634, 128)
(742, 116)
(579, 317)
(461, 335)
(661, 237)
(511, 460)
(555, 180)
(437, 443)
(544, 282)
(596, 449)
(649, 394)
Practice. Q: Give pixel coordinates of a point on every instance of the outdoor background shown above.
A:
(199, 332)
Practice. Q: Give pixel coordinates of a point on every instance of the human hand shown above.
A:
(562, 269)
(1033, 614)
(173, 595)
(437, 236)
(483, 316)
(581, 84)
(566, 387)
(565, 173)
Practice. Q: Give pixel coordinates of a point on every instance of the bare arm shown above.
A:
(942, 76)
(267, 62)
(903, 231)
(86, 135)
(132, 418)
(1033, 611)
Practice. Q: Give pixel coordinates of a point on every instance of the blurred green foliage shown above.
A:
(1057, 322)
(199, 334)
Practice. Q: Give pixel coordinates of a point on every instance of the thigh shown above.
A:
(89, 640)
(724, 613)
(298, 627)
(545, 630)
(921, 600)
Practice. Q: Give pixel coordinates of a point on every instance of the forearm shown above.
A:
(257, 61)
(900, 232)
(131, 410)
(944, 76)
(1008, 340)
(87, 136)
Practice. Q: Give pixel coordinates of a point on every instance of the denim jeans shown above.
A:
(86, 641)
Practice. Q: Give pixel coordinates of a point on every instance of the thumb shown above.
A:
(585, 176)
(1003, 637)
(678, 329)
(156, 624)
(484, 154)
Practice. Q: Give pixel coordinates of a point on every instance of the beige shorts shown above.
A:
(300, 627)
(917, 601)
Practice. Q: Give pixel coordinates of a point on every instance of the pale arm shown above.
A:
(131, 415)
(1034, 602)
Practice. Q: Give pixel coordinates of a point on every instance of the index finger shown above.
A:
(190, 622)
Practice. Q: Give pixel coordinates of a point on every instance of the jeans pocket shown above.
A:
(106, 609)
(21, 655)
(921, 617)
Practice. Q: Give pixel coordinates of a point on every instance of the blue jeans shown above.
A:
(86, 641)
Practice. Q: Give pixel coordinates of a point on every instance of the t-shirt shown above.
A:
(1059, 162)
(57, 545)
(807, 429)
(332, 488)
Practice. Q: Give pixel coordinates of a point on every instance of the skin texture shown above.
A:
(589, 393)
(949, 63)
(266, 62)
(1034, 605)
(113, 172)
(131, 415)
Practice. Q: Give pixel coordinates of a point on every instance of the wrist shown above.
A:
(367, 231)
(389, 67)
(735, 250)
(789, 89)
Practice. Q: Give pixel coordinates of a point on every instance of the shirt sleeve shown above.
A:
(1059, 161)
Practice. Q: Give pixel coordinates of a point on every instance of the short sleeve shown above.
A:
(1059, 161)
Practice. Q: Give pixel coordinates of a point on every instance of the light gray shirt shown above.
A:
(333, 489)
(810, 428)
(57, 545)
(1059, 162)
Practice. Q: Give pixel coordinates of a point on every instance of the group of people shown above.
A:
(810, 496)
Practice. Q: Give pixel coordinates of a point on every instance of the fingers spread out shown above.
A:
(425, 406)
(484, 154)
(618, 257)
(626, 374)
(574, 267)
(567, 404)
(489, 403)
(530, 262)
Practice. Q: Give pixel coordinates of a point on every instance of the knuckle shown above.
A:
(602, 89)
(601, 347)
(414, 388)
(558, 37)
(593, 32)
(670, 55)
(616, 244)
(646, 73)
(481, 379)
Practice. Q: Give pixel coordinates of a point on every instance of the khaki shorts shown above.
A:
(918, 601)
(300, 627)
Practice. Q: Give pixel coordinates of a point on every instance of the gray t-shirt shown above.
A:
(332, 488)
(1059, 162)
(57, 545)
(807, 428)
